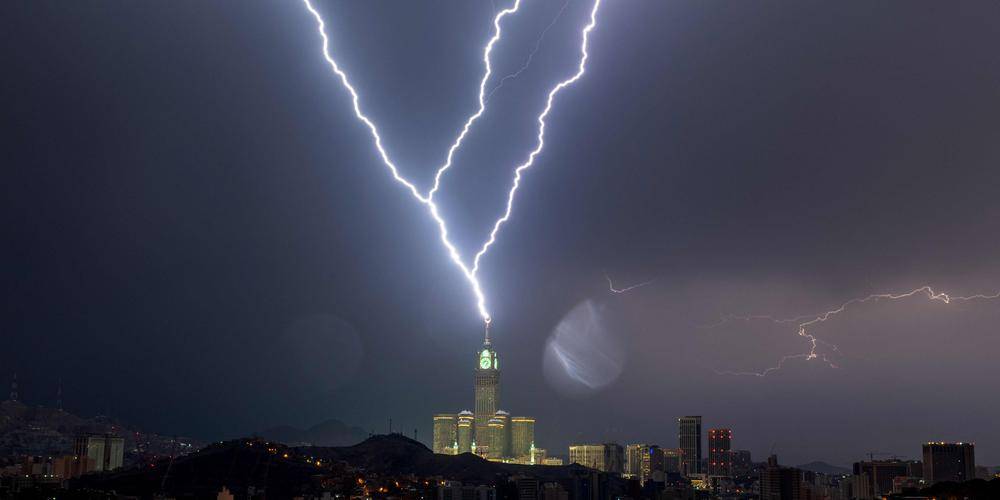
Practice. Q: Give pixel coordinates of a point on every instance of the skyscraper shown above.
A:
(445, 433)
(464, 431)
(780, 483)
(607, 457)
(633, 460)
(105, 450)
(499, 440)
(673, 460)
(642, 460)
(487, 389)
(874, 478)
(720, 455)
(949, 462)
(522, 430)
(689, 440)
(742, 463)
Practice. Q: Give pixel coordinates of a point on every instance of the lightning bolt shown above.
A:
(612, 289)
(428, 199)
(581, 69)
(814, 342)
(482, 99)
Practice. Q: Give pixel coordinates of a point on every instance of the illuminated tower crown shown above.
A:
(487, 388)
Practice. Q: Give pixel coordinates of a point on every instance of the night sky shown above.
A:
(199, 238)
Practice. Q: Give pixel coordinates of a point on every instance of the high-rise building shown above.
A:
(105, 450)
(720, 454)
(537, 456)
(487, 388)
(742, 463)
(949, 462)
(445, 433)
(464, 431)
(633, 460)
(652, 462)
(673, 460)
(689, 440)
(522, 431)
(499, 435)
(780, 483)
(874, 478)
(607, 457)
(587, 455)
(642, 460)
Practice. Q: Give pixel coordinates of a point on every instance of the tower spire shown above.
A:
(487, 341)
(13, 388)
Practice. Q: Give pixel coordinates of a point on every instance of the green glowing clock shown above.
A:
(484, 362)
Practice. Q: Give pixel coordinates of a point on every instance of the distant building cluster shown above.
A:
(91, 453)
(488, 431)
(688, 471)
(684, 466)
(45, 446)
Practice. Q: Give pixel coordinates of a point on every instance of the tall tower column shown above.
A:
(487, 389)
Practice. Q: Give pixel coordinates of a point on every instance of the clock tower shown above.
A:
(487, 388)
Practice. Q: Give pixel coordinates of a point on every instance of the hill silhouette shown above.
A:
(824, 468)
(284, 471)
(329, 433)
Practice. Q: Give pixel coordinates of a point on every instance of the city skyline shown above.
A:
(202, 241)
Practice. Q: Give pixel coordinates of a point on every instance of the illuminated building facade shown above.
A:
(673, 460)
(499, 432)
(445, 433)
(949, 462)
(642, 460)
(464, 430)
(104, 450)
(720, 454)
(537, 456)
(607, 457)
(689, 441)
(522, 430)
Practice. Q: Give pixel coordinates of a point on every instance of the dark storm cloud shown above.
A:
(185, 188)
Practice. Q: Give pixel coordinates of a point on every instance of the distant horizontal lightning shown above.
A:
(814, 342)
(612, 289)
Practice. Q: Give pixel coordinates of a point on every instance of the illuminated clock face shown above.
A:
(484, 362)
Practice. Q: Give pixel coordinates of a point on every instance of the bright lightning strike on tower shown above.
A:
(814, 342)
(428, 199)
